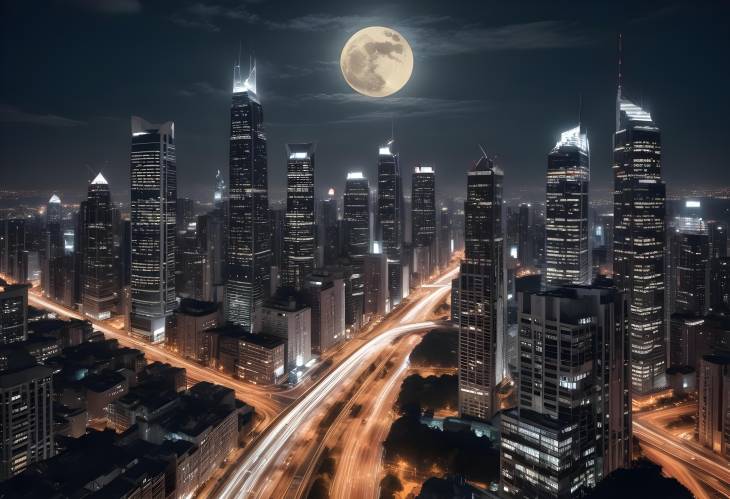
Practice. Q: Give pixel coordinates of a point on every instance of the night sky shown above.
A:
(507, 75)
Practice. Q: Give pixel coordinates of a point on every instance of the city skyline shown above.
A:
(196, 99)
(399, 327)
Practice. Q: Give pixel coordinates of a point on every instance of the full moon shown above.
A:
(377, 61)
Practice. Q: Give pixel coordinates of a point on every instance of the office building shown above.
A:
(572, 424)
(190, 322)
(53, 251)
(262, 358)
(390, 217)
(153, 211)
(249, 240)
(688, 340)
(286, 316)
(26, 396)
(99, 295)
(13, 312)
(328, 230)
(423, 220)
(567, 252)
(299, 219)
(13, 254)
(324, 293)
(481, 293)
(690, 254)
(376, 299)
(639, 238)
(713, 403)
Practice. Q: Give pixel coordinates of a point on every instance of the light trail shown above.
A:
(252, 469)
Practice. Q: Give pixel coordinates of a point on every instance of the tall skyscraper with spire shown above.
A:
(153, 213)
(299, 241)
(98, 293)
(639, 237)
(389, 222)
(480, 291)
(249, 242)
(567, 254)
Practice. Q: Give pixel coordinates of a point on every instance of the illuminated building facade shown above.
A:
(249, 239)
(572, 425)
(639, 237)
(567, 253)
(713, 403)
(98, 291)
(154, 198)
(299, 238)
(481, 293)
(13, 312)
(423, 206)
(389, 220)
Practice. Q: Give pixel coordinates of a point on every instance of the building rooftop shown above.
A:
(196, 308)
(263, 340)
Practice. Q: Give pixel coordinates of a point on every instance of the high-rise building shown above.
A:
(98, 292)
(13, 255)
(185, 213)
(299, 219)
(690, 254)
(26, 400)
(389, 222)
(52, 265)
(572, 425)
(324, 293)
(13, 312)
(328, 230)
(423, 221)
(639, 237)
(524, 237)
(481, 293)
(375, 283)
(249, 241)
(423, 206)
(713, 403)
(356, 215)
(567, 252)
(719, 292)
(154, 196)
(444, 237)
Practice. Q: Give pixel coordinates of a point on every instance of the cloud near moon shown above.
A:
(376, 61)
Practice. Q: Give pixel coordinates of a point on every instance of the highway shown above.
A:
(272, 462)
(703, 472)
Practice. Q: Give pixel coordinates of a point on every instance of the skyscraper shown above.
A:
(328, 233)
(356, 241)
(572, 425)
(249, 241)
(13, 256)
(639, 238)
(154, 196)
(52, 267)
(219, 194)
(356, 215)
(389, 222)
(524, 237)
(423, 206)
(299, 219)
(13, 312)
(567, 253)
(98, 293)
(481, 292)
(423, 220)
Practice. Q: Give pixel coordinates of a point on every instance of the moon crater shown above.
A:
(377, 61)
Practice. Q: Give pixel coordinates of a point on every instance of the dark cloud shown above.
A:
(109, 6)
(11, 114)
(203, 88)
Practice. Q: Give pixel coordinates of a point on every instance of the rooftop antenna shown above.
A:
(392, 128)
(580, 111)
(484, 153)
(620, 61)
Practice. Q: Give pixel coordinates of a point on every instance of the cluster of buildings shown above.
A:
(309, 274)
(554, 348)
(82, 416)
